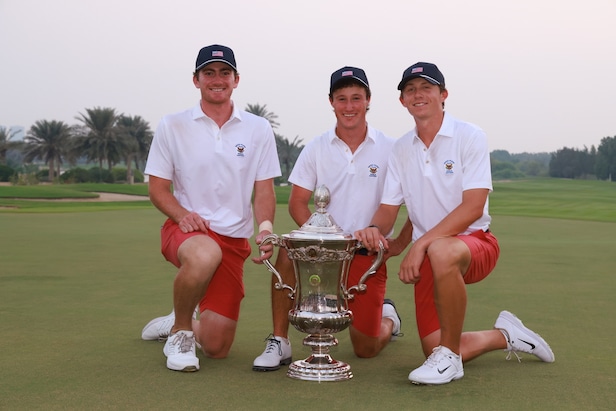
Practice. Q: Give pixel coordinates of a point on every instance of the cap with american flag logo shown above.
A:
(427, 71)
(348, 72)
(215, 52)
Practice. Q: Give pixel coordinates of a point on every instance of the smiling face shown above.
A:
(350, 106)
(423, 99)
(216, 82)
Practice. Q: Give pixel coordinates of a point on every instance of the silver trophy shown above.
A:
(321, 255)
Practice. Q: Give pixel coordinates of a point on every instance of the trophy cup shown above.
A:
(321, 255)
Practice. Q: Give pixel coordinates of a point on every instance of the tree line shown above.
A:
(594, 163)
(106, 138)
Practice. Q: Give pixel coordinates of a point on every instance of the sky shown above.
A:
(536, 75)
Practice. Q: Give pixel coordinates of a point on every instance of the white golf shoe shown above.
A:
(180, 352)
(522, 339)
(277, 353)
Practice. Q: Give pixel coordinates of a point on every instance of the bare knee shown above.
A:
(204, 260)
(215, 334)
(365, 352)
(214, 347)
(448, 254)
(363, 345)
(200, 252)
(217, 351)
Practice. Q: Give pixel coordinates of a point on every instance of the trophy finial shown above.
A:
(321, 222)
(321, 198)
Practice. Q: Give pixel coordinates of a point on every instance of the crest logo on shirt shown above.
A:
(240, 150)
(373, 168)
(449, 166)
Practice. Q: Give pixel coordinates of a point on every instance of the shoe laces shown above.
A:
(164, 327)
(184, 341)
(436, 357)
(273, 344)
(510, 348)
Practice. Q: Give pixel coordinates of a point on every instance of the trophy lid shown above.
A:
(321, 224)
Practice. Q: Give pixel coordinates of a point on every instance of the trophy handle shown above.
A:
(361, 287)
(279, 285)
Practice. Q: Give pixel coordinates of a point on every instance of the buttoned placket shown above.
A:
(426, 160)
(348, 155)
(217, 133)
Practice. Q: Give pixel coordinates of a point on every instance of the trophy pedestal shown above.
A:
(320, 366)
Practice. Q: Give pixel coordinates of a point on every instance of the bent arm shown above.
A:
(162, 197)
(298, 204)
(398, 244)
(382, 222)
(458, 220)
(264, 202)
(264, 205)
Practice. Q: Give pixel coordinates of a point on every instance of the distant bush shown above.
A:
(42, 175)
(24, 179)
(75, 175)
(278, 181)
(100, 175)
(138, 175)
(6, 172)
(505, 171)
(119, 175)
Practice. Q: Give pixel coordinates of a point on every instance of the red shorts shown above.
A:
(484, 254)
(367, 307)
(226, 289)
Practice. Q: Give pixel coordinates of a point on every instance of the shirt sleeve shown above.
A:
(392, 189)
(159, 162)
(269, 163)
(304, 173)
(477, 169)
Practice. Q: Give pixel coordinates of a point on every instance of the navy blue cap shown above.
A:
(427, 71)
(215, 52)
(348, 72)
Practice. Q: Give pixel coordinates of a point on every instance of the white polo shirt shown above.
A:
(430, 181)
(213, 170)
(355, 180)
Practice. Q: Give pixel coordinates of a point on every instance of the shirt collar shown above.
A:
(198, 113)
(370, 135)
(446, 130)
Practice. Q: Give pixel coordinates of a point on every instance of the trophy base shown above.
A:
(320, 368)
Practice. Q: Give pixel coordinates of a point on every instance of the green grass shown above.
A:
(549, 198)
(556, 198)
(77, 287)
(16, 199)
(62, 191)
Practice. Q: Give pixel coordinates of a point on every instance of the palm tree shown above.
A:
(261, 111)
(138, 136)
(47, 141)
(288, 151)
(99, 139)
(5, 142)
